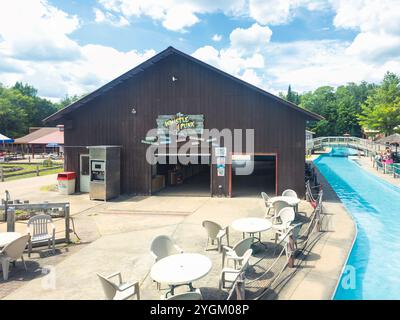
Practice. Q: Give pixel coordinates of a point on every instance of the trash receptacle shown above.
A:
(66, 182)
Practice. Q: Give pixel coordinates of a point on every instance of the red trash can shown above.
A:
(66, 182)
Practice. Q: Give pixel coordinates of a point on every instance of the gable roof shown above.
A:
(39, 133)
(163, 54)
(56, 137)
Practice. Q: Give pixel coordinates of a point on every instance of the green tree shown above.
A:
(13, 119)
(291, 96)
(381, 110)
(349, 99)
(21, 108)
(67, 100)
(25, 89)
(322, 101)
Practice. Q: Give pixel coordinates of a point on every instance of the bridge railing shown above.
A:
(354, 142)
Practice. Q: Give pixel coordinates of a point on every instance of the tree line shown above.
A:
(347, 109)
(350, 108)
(21, 108)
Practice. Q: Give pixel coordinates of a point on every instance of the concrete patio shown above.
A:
(116, 237)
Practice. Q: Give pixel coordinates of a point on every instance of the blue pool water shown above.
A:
(373, 267)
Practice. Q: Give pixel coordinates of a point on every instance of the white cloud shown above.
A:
(270, 11)
(243, 58)
(281, 12)
(250, 76)
(216, 37)
(307, 65)
(44, 55)
(378, 22)
(178, 15)
(44, 38)
(252, 39)
(101, 17)
(175, 15)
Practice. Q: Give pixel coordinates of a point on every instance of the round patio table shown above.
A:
(252, 226)
(292, 201)
(180, 269)
(8, 237)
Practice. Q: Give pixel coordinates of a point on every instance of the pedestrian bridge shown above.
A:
(365, 145)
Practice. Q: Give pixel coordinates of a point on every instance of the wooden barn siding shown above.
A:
(225, 104)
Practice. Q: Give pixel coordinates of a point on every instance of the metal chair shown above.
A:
(216, 232)
(120, 291)
(39, 232)
(12, 252)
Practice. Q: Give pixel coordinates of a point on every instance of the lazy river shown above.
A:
(372, 270)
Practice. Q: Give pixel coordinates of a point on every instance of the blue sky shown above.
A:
(72, 47)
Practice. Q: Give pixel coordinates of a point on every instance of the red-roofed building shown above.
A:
(42, 140)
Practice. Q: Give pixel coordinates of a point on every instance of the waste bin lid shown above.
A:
(66, 176)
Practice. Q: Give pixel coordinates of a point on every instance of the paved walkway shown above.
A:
(367, 164)
(116, 237)
(317, 276)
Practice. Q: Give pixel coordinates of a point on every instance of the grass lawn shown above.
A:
(26, 168)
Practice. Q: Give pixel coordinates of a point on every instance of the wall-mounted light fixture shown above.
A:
(174, 79)
(133, 111)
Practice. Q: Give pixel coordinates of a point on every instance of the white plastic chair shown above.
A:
(193, 295)
(289, 193)
(216, 232)
(267, 202)
(12, 252)
(286, 216)
(39, 232)
(278, 206)
(120, 291)
(161, 247)
(236, 254)
(229, 275)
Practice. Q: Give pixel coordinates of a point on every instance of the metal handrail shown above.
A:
(354, 142)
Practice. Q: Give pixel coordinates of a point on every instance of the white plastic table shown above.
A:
(252, 226)
(292, 201)
(7, 237)
(180, 269)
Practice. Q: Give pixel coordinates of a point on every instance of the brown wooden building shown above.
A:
(172, 82)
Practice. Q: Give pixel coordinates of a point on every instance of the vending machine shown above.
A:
(105, 172)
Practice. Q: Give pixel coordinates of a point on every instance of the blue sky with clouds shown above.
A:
(72, 47)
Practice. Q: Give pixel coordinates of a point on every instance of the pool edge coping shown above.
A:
(354, 235)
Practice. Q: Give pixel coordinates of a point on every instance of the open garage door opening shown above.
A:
(262, 179)
(179, 179)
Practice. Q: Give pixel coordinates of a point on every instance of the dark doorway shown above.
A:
(262, 179)
(181, 179)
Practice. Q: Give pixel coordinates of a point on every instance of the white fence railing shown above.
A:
(352, 142)
(392, 168)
